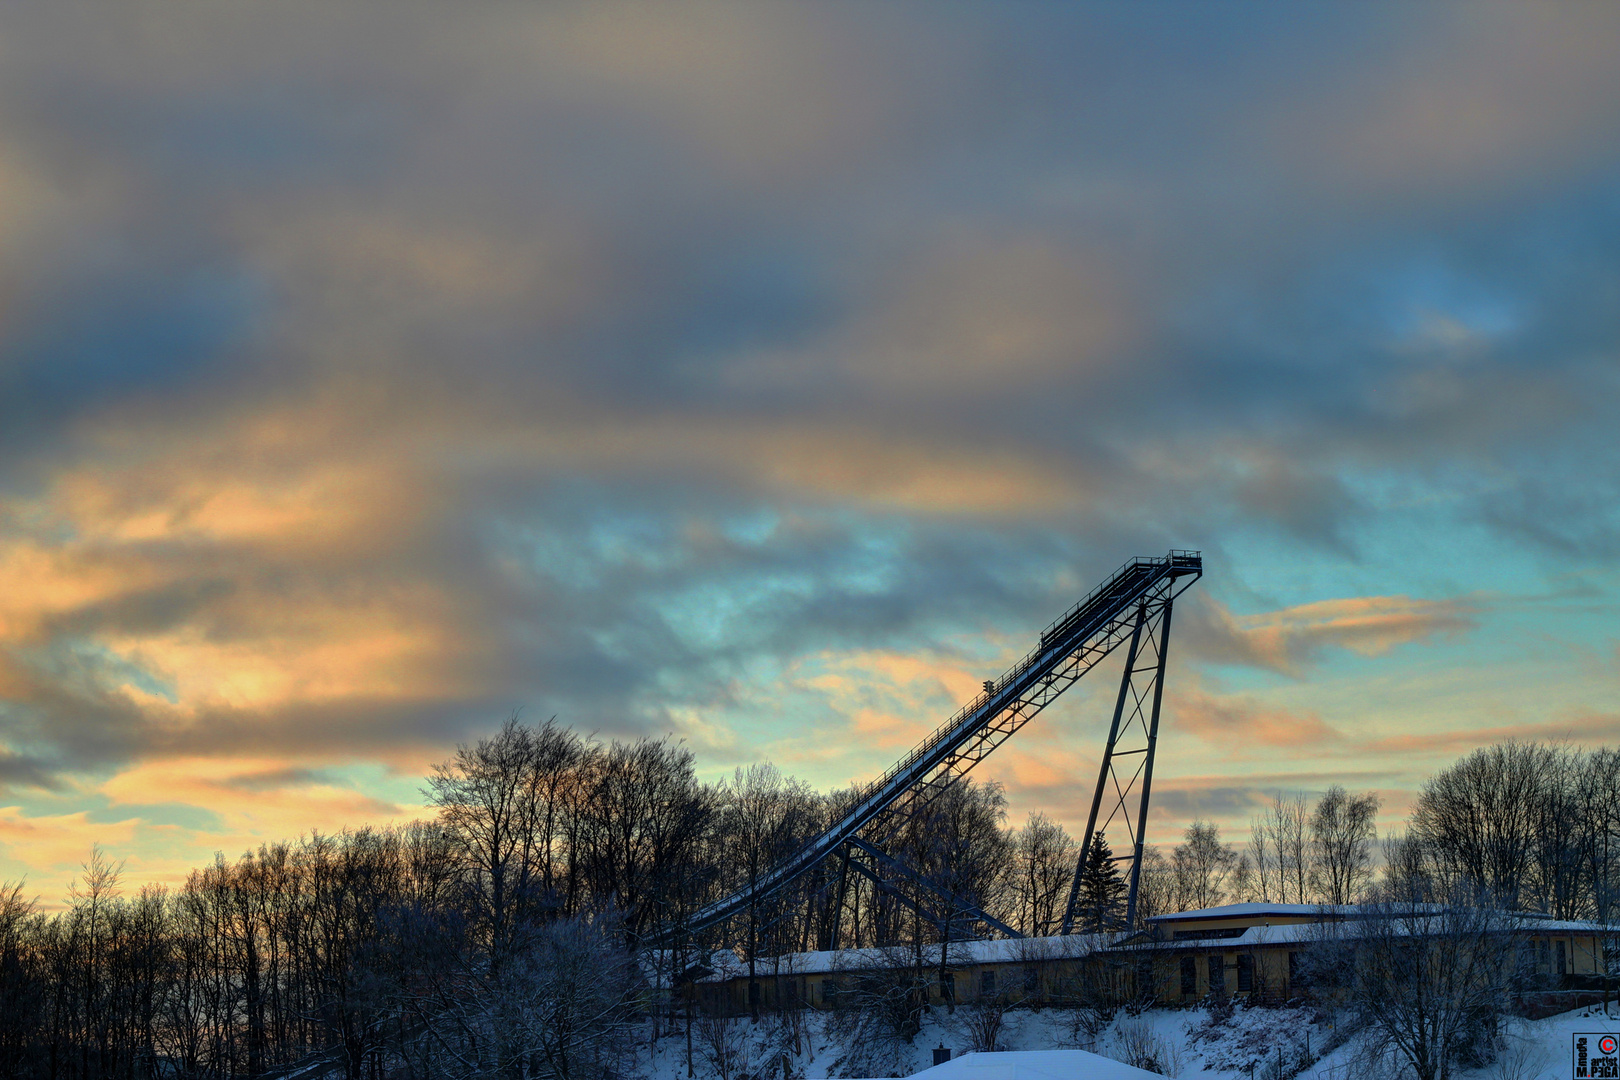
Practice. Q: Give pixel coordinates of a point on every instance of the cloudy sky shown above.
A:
(770, 375)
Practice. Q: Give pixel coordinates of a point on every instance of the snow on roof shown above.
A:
(1341, 911)
(999, 951)
(1035, 1065)
(1290, 933)
(724, 964)
(1246, 911)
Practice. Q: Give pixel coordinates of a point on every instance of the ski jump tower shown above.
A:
(1132, 606)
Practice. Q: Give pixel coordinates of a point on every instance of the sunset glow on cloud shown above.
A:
(770, 376)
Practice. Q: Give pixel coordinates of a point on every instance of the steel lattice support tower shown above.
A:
(1127, 760)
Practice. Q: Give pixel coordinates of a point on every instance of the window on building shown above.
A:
(947, 987)
(987, 982)
(1245, 972)
(1545, 963)
(1293, 970)
(1217, 974)
(1189, 976)
(829, 992)
(1145, 983)
(1563, 960)
(1032, 978)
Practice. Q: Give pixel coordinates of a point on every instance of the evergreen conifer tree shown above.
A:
(1101, 899)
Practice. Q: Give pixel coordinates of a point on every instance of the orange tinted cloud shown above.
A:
(1591, 729)
(1240, 724)
(1517, 92)
(886, 731)
(254, 796)
(53, 845)
(1288, 639)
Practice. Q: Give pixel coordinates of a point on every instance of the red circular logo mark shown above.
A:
(1606, 1044)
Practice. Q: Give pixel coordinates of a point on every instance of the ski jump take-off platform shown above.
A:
(1133, 606)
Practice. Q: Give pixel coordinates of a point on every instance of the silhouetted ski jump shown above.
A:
(1132, 606)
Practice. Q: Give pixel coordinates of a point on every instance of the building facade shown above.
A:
(1256, 952)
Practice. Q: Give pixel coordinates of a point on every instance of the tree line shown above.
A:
(1529, 826)
(504, 935)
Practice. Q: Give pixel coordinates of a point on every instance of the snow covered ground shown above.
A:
(1185, 1042)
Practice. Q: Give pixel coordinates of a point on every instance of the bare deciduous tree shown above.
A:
(1479, 818)
(1043, 865)
(879, 1003)
(1263, 862)
(21, 1004)
(1285, 824)
(1429, 980)
(1202, 864)
(1342, 828)
(1156, 886)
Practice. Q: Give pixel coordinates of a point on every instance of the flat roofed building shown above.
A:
(1253, 951)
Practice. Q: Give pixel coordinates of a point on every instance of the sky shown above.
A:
(767, 376)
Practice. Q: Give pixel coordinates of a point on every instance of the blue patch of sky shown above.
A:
(1432, 301)
(873, 557)
(1519, 621)
(577, 545)
(98, 809)
(752, 528)
(710, 616)
(1419, 539)
(180, 815)
(550, 554)
(1417, 535)
(1422, 536)
(95, 668)
(380, 781)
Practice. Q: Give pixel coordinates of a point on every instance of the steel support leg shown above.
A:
(838, 905)
(1103, 770)
(1147, 768)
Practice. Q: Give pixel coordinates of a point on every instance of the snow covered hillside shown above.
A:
(1268, 1043)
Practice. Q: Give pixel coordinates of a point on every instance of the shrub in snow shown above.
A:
(880, 1002)
(1094, 1011)
(981, 1025)
(1275, 1042)
(1135, 1043)
(723, 1046)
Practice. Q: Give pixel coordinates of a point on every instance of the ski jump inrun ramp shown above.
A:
(1132, 606)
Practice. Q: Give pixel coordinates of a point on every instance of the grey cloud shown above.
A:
(18, 770)
(1574, 517)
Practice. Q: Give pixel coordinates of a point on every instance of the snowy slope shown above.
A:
(1184, 1042)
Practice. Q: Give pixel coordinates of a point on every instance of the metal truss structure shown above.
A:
(1133, 605)
(1128, 755)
